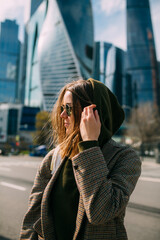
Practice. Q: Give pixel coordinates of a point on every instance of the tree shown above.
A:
(144, 123)
(43, 135)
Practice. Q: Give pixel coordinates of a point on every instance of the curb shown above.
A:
(143, 208)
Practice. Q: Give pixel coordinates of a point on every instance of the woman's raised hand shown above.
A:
(90, 125)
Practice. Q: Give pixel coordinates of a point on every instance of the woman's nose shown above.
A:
(64, 114)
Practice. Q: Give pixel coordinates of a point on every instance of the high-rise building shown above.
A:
(115, 75)
(22, 70)
(33, 92)
(141, 55)
(61, 39)
(9, 120)
(100, 57)
(28, 118)
(9, 61)
(16, 119)
(34, 4)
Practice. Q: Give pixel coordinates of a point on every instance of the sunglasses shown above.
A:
(67, 108)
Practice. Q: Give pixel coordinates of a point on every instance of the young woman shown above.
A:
(82, 187)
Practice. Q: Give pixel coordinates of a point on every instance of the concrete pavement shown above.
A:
(146, 195)
(16, 179)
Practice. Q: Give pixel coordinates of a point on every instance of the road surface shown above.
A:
(16, 178)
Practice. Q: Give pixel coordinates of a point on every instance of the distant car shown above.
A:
(39, 151)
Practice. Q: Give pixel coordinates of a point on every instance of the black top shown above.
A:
(65, 198)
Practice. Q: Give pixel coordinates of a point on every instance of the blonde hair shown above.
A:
(82, 96)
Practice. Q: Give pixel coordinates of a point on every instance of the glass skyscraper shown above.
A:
(25, 50)
(33, 92)
(115, 64)
(9, 61)
(100, 56)
(141, 56)
(61, 39)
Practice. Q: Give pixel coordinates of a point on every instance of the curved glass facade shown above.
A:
(65, 46)
(115, 72)
(141, 56)
(99, 63)
(33, 92)
(78, 19)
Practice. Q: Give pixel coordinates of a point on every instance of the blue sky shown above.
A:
(110, 22)
(109, 19)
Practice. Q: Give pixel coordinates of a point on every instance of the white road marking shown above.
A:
(150, 179)
(5, 169)
(12, 186)
(29, 164)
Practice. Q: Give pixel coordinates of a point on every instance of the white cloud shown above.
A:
(112, 6)
(111, 10)
(15, 10)
(155, 10)
(114, 35)
(9, 9)
(113, 28)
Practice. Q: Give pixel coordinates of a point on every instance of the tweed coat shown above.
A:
(105, 179)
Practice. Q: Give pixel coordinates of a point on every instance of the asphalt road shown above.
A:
(16, 179)
(142, 225)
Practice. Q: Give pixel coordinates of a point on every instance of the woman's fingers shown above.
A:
(90, 125)
(89, 109)
(97, 116)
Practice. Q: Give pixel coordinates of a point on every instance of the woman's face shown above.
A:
(68, 118)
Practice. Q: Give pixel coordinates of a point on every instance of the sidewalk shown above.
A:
(146, 195)
(150, 168)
